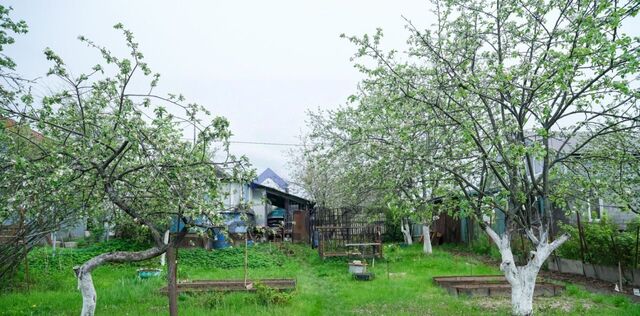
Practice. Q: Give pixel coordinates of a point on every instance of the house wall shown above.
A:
(615, 214)
(612, 212)
(620, 217)
(259, 207)
(72, 231)
(233, 194)
(237, 193)
(67, 231)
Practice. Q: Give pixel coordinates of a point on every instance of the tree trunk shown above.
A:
(406, 232)
(172, 275)
(426, 236)
(522, 292)
(83, 272)
(523, 278)
(164, 255)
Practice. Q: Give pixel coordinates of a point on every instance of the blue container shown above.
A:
(148, 273)
(219, 242)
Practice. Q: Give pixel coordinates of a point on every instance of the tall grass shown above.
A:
(324, 287)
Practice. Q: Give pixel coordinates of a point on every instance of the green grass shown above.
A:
(324, 288)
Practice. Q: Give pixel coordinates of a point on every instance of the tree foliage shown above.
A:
(106, 143)
(522, 98)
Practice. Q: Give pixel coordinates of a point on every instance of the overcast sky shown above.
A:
(261, 64)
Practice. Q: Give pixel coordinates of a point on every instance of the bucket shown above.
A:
(357, 267)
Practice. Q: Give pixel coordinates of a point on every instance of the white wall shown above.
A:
(235, 195)
(232, 194)
(259, 208)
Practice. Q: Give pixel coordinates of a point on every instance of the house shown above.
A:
(269, 178)
(266, 202)
(11, 224)
(594, 207)
(590, 209)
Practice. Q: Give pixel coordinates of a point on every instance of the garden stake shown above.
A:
(582, 242)
(246, 238)
(615, 248)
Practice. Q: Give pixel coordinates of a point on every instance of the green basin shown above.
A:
(148, 273)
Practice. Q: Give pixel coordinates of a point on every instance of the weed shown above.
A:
(269, 296)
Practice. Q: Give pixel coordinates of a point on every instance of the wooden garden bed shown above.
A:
(232, 285)
(490, 285)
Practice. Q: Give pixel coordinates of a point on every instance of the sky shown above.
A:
(260, 64)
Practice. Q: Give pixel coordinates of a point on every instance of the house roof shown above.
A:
(270, 174)
(281, 194)
(9, 124)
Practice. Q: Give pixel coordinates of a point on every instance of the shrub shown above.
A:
(601, 249)
(211, 300)
(482, 246)
(268, 296)
(42, 258)
(258, 257)
(133, 232)
(392, 231)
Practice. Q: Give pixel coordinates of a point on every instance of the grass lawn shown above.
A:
(324, 288)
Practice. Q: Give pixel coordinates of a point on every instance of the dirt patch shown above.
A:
(542, 305)
(490, 303)
(590, 284)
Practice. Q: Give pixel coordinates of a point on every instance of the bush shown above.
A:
(42, 258)
(392, 231)
(268, 296)
(600, 247)
(482, 246)
(258, 257)
(133, 232)
(211, 300)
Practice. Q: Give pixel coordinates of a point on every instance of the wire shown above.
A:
(266, 143)
(256, 143)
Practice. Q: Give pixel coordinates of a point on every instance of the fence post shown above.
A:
(172, 271)
(582, 244)
(615, 248)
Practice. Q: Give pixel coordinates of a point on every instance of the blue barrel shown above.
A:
(219, 242)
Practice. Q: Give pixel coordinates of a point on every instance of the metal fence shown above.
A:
(348, 231)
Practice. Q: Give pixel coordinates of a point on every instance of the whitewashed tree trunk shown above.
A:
(523, 278)
(83, 273)
(406, 232)
(163, 257)
(426, 236)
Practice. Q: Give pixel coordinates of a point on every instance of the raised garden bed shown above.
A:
(233, 285)
(490, 285)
